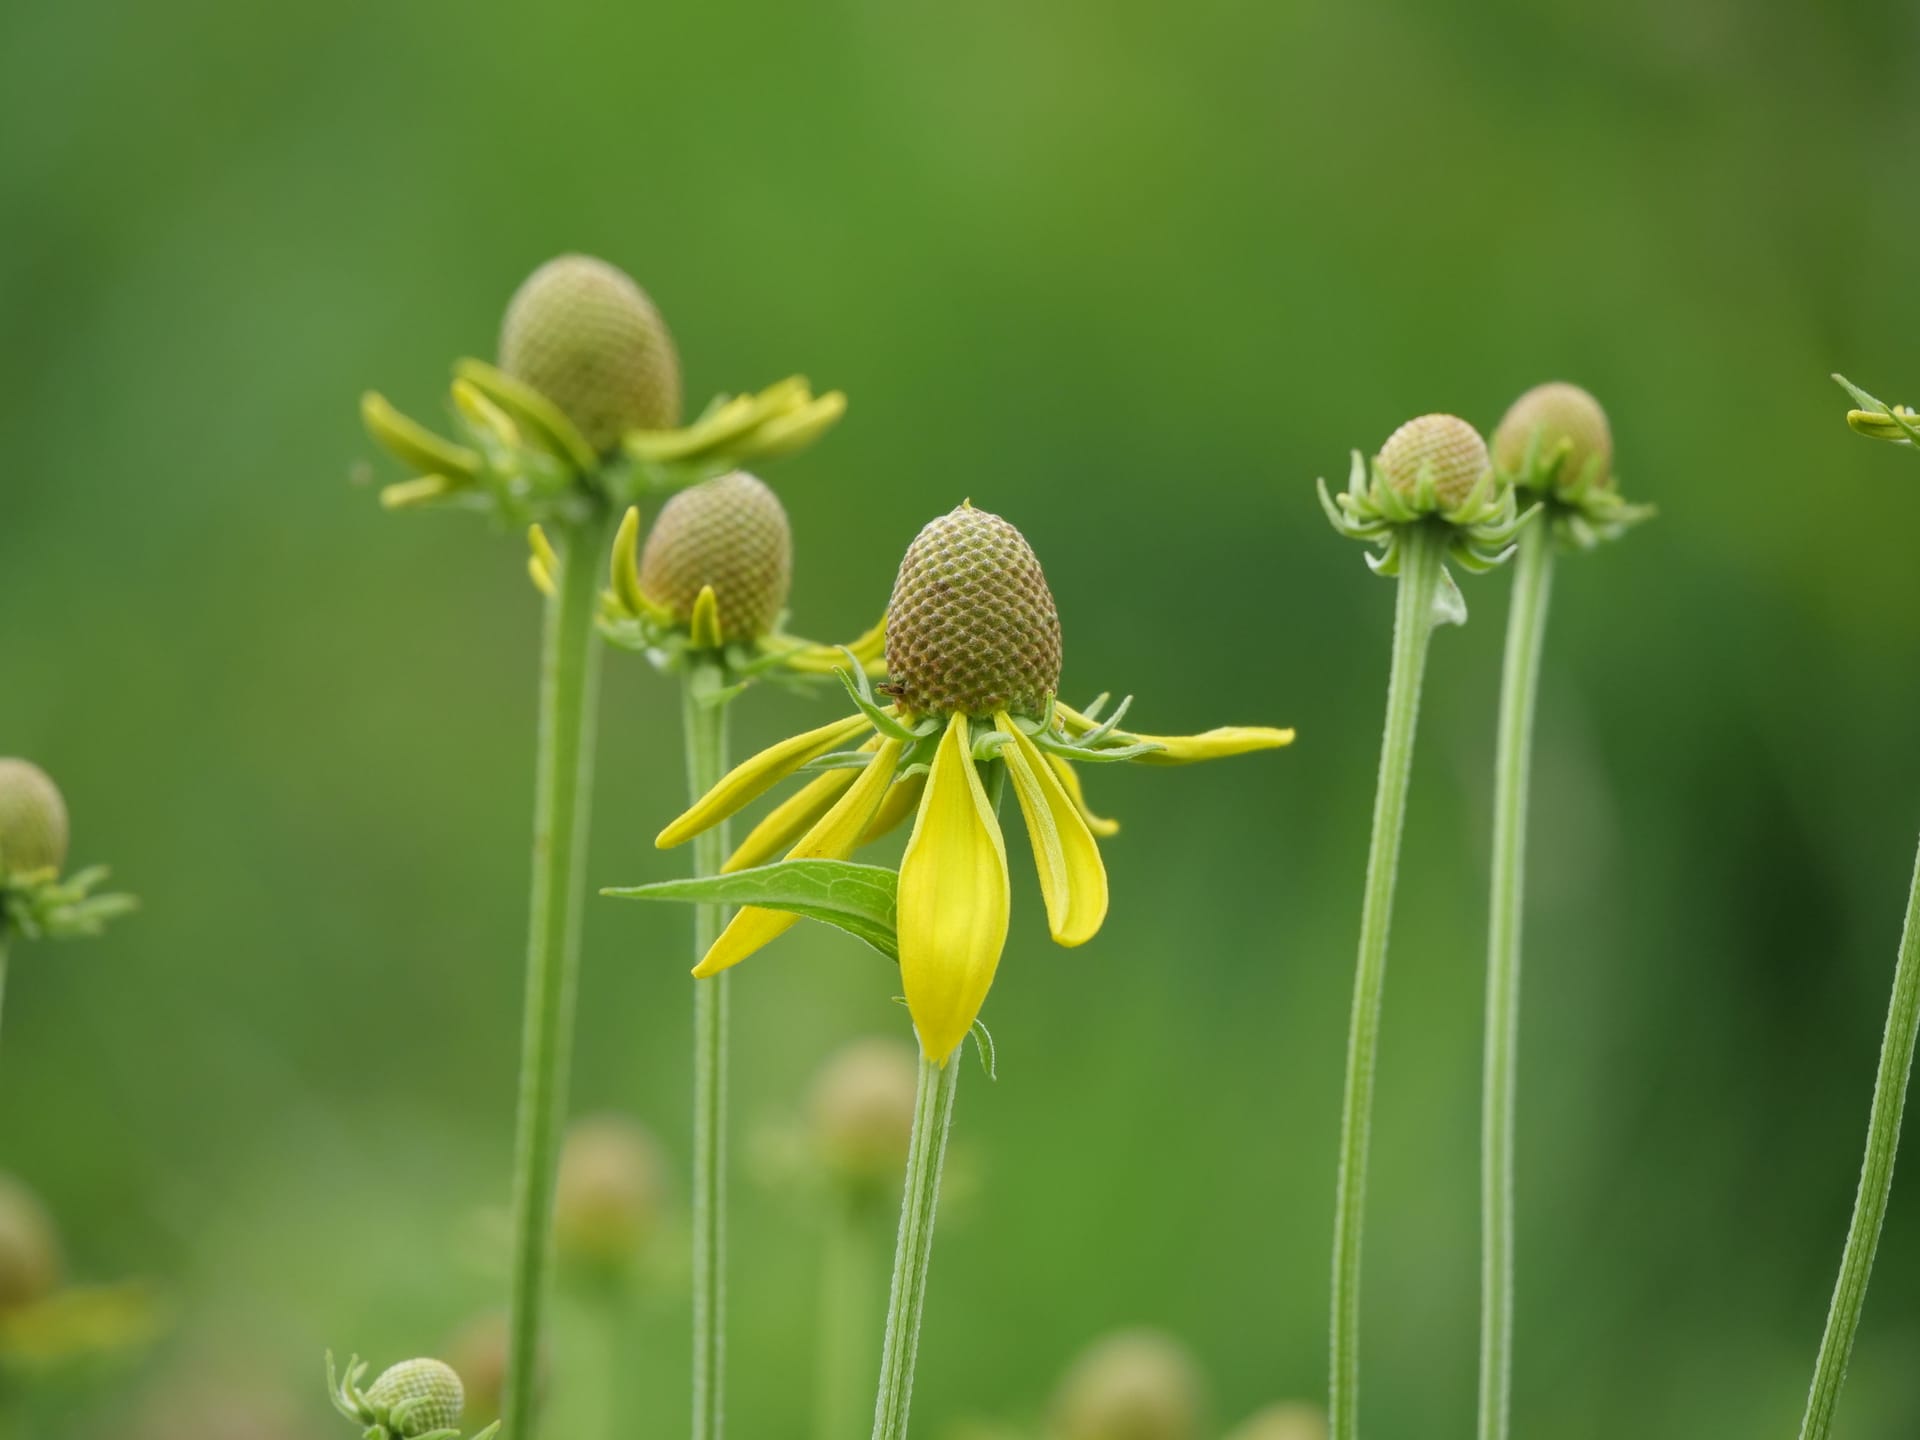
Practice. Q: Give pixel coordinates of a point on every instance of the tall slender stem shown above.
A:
(1519, 685)
(932, 1115)
(849, 1266)
(1423, 550)
(1876, 1180)
(704, 706)
(569, 676)
(3, 969)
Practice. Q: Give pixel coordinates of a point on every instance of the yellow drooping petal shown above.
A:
(794, 816)
(1213, 745)
(952, 909)
(1072, 878)
(902, 800)
(753, 778)
(1187, 749)
(832, 837)
(1070, 782)
(804, 656)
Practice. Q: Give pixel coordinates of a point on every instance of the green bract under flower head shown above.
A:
(1446, 447)
(731, 534)
(1556, 419)
(33, 819)
(972, 626)
(29, 1248)
(583, 334)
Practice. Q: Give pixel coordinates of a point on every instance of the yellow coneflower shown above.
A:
(973, 651)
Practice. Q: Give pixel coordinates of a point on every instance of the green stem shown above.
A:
(1876, 1180)
(569, 674)
(704, 704)
(1520, 684)
(1423, 551)
(848, 1283)
(932, 1115)
(3, 970)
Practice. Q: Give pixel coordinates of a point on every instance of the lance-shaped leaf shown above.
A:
(858, 899)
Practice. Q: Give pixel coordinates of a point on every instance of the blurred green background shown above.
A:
(1132, 274)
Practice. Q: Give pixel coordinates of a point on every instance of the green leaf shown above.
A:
(859, 899)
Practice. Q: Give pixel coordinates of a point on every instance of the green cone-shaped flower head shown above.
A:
(29, 1248)
(1444, 444)
(730, 533)
(581, 332)
(1558, 412)
(418, 1397)
(1134, 1385)
(33, 819)
(972, 626)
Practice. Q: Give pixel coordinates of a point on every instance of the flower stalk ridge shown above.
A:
(1555, 447)
(1430, 495)
(973, 652)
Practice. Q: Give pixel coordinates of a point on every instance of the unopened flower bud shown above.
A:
(583, 334)
(862, 1113)
(1557, 413)
(1134, 1385)
(1445, 446)
(611, 1192)
(33, 819)
(29, 1247)
(418, 1397)
(730, 533)
(972, 627)
(1284, 1422)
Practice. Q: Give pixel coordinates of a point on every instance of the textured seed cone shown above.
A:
(1135, 1385)
(1284, 1422)
(730, 533)
(580, 332)
(1558, 411)
(29, 1247)
(1447, 444)
(972, 626)
(33, 818)
(861, 1111)
(611, 1192)
(429, 1384)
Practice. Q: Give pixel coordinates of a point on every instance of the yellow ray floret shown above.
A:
(902, 800)
(1070, 782)
(793, 817)
(953, 900)
(1072, 878)
(1215, 744)
(832, 837)
(753, 778)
